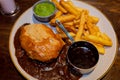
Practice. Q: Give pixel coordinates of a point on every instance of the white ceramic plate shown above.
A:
(105, 61)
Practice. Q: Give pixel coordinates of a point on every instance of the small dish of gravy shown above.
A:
(82, 56)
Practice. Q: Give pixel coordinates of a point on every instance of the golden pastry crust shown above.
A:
(40, 42)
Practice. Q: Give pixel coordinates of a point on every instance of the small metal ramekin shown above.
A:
(79, 70)
(44, 18)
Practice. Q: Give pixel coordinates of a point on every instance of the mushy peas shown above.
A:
(44, 9)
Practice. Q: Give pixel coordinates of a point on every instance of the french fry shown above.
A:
(90, 27)
(81, 27)
(104, 36)
(72, 34)
(73, 6)
(59, 6)
(71, 23)
(85, 27)
(93, 19)
(85, 33)
(70, 28)
(59, 30)
(69, 8)
(96, 28)
(76, 21)
(58, 14)
(64, 36)
(64, 18)
(99, 47)
(99, 40)
(76, 26)
(79, 9)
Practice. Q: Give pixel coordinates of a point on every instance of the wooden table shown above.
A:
(111, 8)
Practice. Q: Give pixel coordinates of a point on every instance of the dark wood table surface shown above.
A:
(111, 8)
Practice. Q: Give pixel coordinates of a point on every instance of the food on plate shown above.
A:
(59, 7)
(81, 28)
(98, 40)
(81, 25)
(56, 69)
(83, 56)
(69, 8)
(40, 42)
(44, 9)
(63, 18)
(58, 13)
